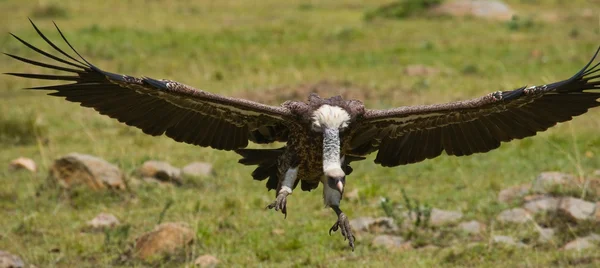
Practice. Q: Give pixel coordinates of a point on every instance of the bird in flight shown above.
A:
(322, 136)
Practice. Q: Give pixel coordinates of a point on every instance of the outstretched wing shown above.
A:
(158, 107)
(412, 134)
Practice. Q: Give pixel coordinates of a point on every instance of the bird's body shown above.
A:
(323, 135)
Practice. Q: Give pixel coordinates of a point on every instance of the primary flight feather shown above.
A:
(323, 135)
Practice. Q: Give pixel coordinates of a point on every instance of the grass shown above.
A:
(236, 47)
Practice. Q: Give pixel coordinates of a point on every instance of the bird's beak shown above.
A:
(340, 186)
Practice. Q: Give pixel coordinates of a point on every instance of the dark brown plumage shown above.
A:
(323, 136)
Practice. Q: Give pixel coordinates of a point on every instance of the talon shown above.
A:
(344, 225)
(280, 204)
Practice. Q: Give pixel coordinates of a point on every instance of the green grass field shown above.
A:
(247, 48)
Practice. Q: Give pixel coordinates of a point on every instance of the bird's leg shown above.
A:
(344, 225)
(285, 189)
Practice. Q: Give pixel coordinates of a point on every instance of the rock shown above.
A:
(472, 227)
(442, 217)
(391, 242)
(206, 261)
(543, 204)
(278, 231)
(420, 70)
(489, 9)
(577, 209)
(8, 260)
(23, 163)
(166, 238)
(198, 169)
(582, 243)
(103, 221)
(351, 195)
(513, 215)
(513, 193)
(546, 235)
(546, 181)
(374, 225)
(81, 169)
(597, 212)
(161, 171)
(507, 240)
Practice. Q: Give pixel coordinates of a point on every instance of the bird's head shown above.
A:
(336, 179)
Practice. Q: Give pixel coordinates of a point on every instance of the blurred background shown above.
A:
(385, 53)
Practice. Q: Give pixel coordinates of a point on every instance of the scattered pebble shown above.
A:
(202, 169)
(103, 221)
(82, 169)
(166, 238)
(161, 171)
(206, 261)
(472, 227)
(22, 163)
(443, 217)
(514, 215)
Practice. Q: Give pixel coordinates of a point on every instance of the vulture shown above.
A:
(322, 136)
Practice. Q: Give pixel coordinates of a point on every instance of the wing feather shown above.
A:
(158, 107)
(415, 133)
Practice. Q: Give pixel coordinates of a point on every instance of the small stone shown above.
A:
(488, 9)
(582, 243)
(198, 169)
(597, 212)
(546, 235)
(361, 224)
(472, 227)
(391, 242)
(507, 240)
(513, 215)
(8, 260)
(103, 221)
(206, 261)
(374, 225)
(546, 181)
(82, 169)
(420, 70)
(23, 163)
(443, 217)
(351, 195)
(166, 238)
(161, 171)
(513, 193)
(278, 232)
(543, 204)
(577, 209)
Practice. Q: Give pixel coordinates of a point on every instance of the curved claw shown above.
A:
(344, 225)
(280, 204)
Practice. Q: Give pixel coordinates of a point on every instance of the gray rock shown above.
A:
(442, 217)
(589, 242)
(507, 240)
(206, 261)
(391, 242)
(23, 163)
(489, 9)
(8, 260)
(82, 169)
(577, 209)
(543, 204)
(374, 225)
(198, 169)
(513, 193)
(514, 215)
(167, 238)
(103, 221)
(548, 180)
(546, 235)
(361, 224)
(161, 171)
(472, 227)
